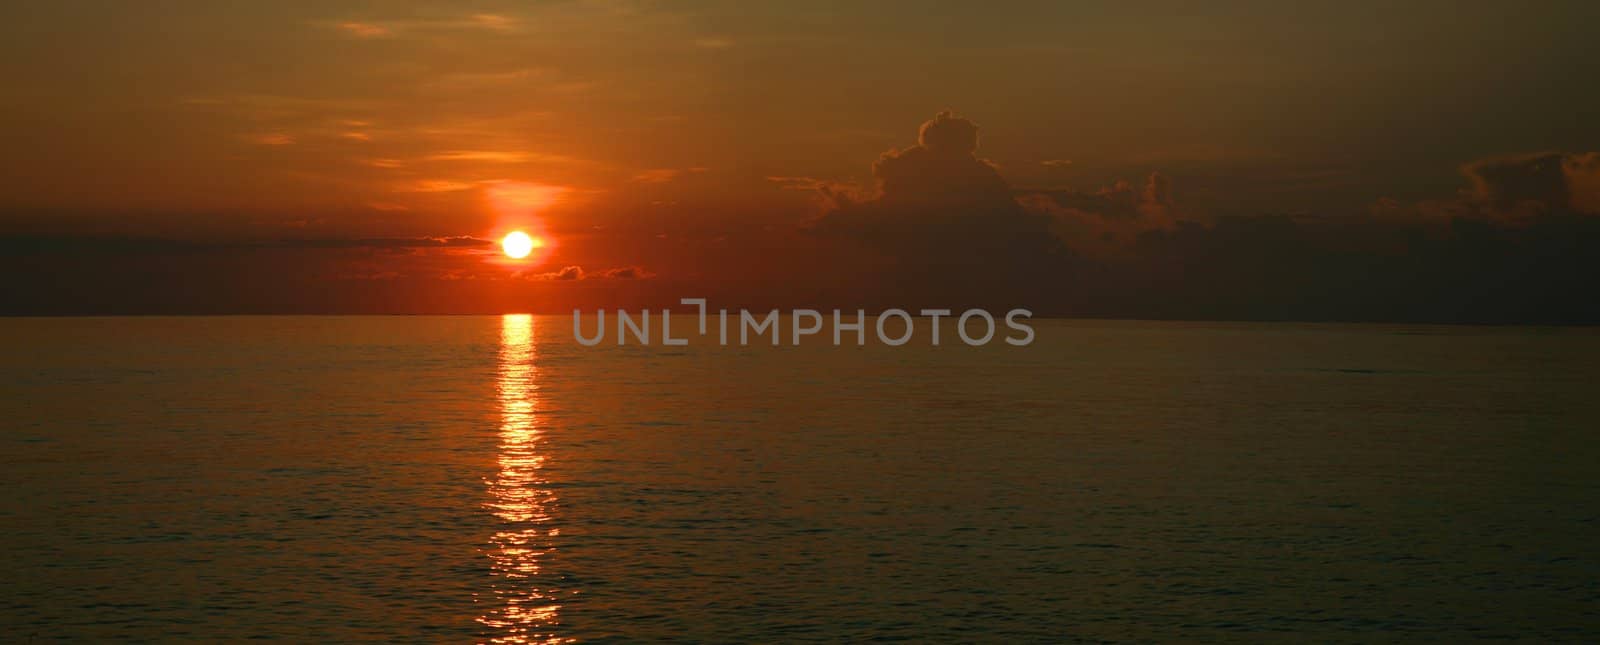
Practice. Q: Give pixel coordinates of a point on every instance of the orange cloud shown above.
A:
(575, 272)
(392, 28)
(501, 156)
(436, 186)
(365, 30)
(663, 175)
(520, 197)
(270, 139)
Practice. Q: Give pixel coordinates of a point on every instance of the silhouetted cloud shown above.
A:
(566, 273)
(460, 241)
(575, 272)
(626, 273)
(946, 217)
(1513, 189)
(1510, 247)
(35, 244)
(1527, 185)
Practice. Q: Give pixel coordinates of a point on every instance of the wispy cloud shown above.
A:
(495, 156)
(500, 156)
(365, 29)
(372, 29)
(24, 244)
(270, 139)
(663, 175)
(482, 80)
(435, 186)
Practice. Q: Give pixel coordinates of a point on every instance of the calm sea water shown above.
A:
(487, 478)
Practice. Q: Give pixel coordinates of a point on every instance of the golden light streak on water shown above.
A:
(526, 602)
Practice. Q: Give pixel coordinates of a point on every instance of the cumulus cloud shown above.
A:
(1583, 181)
(1152, 199)
(1519, 186)
(573, 272)
(945, 217)
(1514, 189)
(939, 204)
(942, 170)
(1512, 246)
(1103, 220)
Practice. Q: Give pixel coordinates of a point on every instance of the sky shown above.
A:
(1415, 162)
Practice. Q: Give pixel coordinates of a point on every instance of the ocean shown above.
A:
(489, 479)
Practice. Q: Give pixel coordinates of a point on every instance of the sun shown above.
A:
(518, 245)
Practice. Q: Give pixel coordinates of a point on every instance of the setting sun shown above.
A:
(518, 245)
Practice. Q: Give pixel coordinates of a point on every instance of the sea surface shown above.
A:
(488, 479)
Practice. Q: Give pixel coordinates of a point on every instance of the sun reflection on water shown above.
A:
(526, 599)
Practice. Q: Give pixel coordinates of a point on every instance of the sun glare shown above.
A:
(518, 245)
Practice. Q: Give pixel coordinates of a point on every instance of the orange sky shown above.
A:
(695, 145)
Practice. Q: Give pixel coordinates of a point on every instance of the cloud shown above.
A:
(626, 273)
(499, 80)
(436, 186)
(509, 198)
(664, 175)
(270, 139)
(369, 275)
(373, 29)
(90, 244)
(574, 272)
(956, 232)
(1514, 189)
(365, 29)
(1583, 181)
(493, 22)
(1104, 220)
(456, 241)
(1518, 186)
(942, 169)
(500, 157)
(1513, 246)
(1529, 184)
(1120, 200)
(946, 218)
(832, 190)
